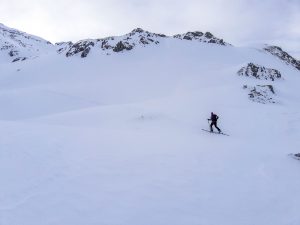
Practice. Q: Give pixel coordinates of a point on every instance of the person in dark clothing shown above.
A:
(214, 118)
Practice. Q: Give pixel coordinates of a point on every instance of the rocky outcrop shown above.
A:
(201, 37)
(259, 72)
(82, 47)
(63, 46)
(283, 56)
(18, 45)
(136, 38)
(120, 46)
(19, 59)
(261, 93)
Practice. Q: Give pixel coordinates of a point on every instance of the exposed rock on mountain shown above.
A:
(261, 93)
(282, 55)
(137, 37)
(201, 37)
(259, 72)
(63, 46)
(17, 45)
(82, 47)
(19, 59)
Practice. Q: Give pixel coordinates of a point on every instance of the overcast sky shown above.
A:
(236, 21)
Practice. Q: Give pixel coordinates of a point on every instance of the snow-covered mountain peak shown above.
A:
(202, 37)
(141, 32)
(17, 45)
(136, 38)
(137, 30)
(19, 36)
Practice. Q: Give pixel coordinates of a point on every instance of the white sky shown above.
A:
(236, 21)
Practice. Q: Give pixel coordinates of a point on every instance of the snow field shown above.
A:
(117, 140)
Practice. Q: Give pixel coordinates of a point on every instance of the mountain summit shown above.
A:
(136, 38)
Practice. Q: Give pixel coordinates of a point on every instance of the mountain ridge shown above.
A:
(17, 45)
(137, 37)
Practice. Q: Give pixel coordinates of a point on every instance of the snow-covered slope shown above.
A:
(16, 45)
(117, 139)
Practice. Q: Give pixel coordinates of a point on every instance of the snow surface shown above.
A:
(117, 139)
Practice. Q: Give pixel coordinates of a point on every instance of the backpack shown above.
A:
(214, 117)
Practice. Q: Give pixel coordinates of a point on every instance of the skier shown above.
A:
(213, 119)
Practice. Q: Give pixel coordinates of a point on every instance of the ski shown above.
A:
(295, 156)
(215, 132)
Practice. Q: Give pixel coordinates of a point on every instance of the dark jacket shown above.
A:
(214, 118)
